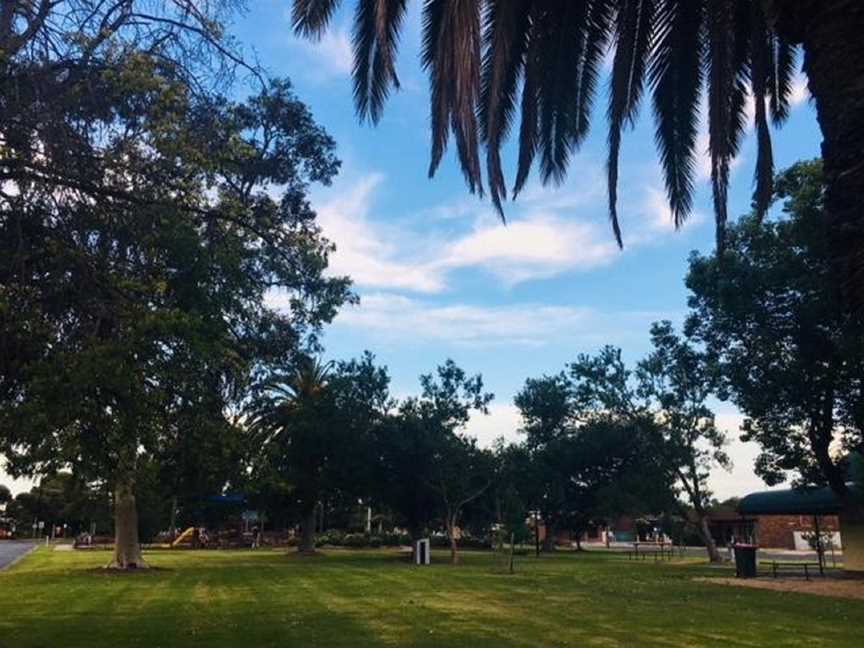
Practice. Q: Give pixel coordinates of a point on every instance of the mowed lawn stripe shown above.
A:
(347, 598)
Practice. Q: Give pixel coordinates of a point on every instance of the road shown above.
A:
(11, 550)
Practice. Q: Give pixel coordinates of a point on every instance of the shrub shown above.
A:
(393, 539)
(331, 537)
(472, 542)
(356, 540)
(437, 541)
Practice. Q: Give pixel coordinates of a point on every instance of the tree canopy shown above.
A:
(791, 357)
(132, 293)
(313, 428)
(420, 446)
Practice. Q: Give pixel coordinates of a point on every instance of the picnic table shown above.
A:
(658, 550)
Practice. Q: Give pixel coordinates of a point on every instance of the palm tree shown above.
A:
(286, 423)
(479, 55)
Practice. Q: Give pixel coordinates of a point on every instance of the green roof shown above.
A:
(792, 501)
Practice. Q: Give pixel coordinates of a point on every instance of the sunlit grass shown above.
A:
(345, 598)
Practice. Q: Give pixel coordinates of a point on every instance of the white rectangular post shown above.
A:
(421, 552)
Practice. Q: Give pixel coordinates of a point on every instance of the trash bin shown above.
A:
(745, 560)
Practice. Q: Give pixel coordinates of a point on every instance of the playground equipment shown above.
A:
(183, 537)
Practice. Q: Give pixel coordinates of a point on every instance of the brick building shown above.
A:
(787, 512)
(771, 531)
(791, 531)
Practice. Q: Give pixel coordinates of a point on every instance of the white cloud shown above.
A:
(327, 57)
(503, 420)
(549, 232)
(367, 252)
(399, 317)
(393, 318)
(657, 215)
(540, 246)
(800, 92)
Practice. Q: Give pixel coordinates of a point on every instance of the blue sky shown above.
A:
(439, 276)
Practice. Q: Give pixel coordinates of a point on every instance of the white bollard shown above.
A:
(421, 552)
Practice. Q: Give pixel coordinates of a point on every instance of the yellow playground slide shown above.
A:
(183, 537)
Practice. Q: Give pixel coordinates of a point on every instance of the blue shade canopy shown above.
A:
(229, 498)
(792, 501)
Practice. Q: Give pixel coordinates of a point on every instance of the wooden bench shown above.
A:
(656, 551)
(777, 566)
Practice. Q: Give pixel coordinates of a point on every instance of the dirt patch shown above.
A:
(109, 571)
(837, 587)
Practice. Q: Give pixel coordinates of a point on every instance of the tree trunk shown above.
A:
(307, 532)
(172, 526)
(127, 549)
(512, 550)
(415, 533)
(831, 32)
(710, 546)
(549, 539)
(454, 545)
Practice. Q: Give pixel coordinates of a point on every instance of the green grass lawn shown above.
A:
(267, 598)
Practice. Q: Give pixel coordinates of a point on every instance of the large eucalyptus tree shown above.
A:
(130, 311)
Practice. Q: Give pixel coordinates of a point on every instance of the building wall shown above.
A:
(777, 531)
(853, 543)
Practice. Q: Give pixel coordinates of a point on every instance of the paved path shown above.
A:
(11, 550)
(698, 552)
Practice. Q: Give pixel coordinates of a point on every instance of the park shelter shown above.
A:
(814, 502)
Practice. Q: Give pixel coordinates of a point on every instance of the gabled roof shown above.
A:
(792, 501)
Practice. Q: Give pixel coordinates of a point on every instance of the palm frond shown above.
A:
(311, 17)
(632, 41)
(477, 54)
(566, 46)
(562, 25)
(598, 31)
(728, 55)
(506, 33)
(451, 55)
(377, 24)
(760, 71)
(529, 129)
(675, 72)
(782, 71)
